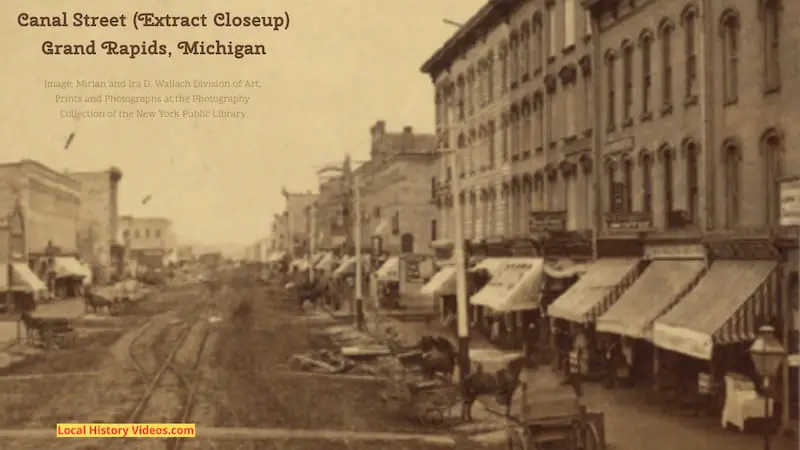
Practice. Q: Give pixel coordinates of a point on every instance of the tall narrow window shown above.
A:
(588, 194)
(434, 230)
(504, 71)
(666, 66)
(548, 104)
(587, 23)
(647, 183)
(525, 51)
(668, 161)
(588, 102)
(490, 79)
(537, 42)
(615, 206)
(732, 177)
(611, 96)
(689, 24)
(490, 157)
(505, 131)
(627, 83)
(539, 122)
(730, 56)
(552, 27)
(647, 69)
(569, 23)
(772, 41)
(527, 131)
(692, 183)
(460, 94)
(514, 59)
(772, 158)
(627, 179)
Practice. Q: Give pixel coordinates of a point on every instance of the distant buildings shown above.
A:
(147, 239)
(298, 221)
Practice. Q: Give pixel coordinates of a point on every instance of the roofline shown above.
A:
(465, 31)
(48, 169)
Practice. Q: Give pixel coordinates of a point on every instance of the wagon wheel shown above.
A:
(431, 416)
(516, 439)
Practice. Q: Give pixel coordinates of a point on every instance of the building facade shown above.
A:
(330, 209)
(98, 228)
(514, 101)
(147, 239)
(396, 190)
(298, 223)
(50, 202)
(278, 233)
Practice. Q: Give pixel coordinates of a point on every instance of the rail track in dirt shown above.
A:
(156, 372)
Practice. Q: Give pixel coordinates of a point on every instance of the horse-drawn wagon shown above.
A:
(427, 401)
(48, 332)
(557, 420)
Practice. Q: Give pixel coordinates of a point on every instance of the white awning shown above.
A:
(382, 229)
(390, 270)
(301, 264)
(514, 288)
(276, 256)
(67, 266)
(23, 279)
(492, 265)
(348, 266)
(443, 282)
(326, 263)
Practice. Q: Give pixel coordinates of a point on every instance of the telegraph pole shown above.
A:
(461, 278)
(359, 262)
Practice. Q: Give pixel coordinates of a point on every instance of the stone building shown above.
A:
(98, 230)
(147, 239)
(298, 223)
(50, 203)
(396, 190)
(513, 110)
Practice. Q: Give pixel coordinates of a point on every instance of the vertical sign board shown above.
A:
(790, 203)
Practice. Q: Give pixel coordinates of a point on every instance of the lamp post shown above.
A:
(312, 239)
(359, 263)
(768, 354)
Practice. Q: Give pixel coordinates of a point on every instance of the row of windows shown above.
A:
(146, 234)
(729, 34)
(522, 55)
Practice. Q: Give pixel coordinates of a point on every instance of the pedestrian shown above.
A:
(609, 364)
(529, 341)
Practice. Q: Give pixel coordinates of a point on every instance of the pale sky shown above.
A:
(340, 66)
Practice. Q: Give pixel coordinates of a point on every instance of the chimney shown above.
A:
(380, 127)
(408, 130)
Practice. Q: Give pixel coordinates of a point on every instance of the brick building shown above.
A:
(513, 102)
(98, 233)
(396, 190)
(147, 239)
(298, 223)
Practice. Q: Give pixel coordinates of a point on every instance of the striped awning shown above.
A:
(492, 265)
(657, 290)
(443, 282)
(595, 292)
(390, 270)
(514, 288)
(726, 307)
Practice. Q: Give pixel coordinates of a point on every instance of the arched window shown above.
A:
(667, 156)
(729, 33)
(538, 106)
(538, 41)
(689, 21)
(772, 42)
(646, 161)
(525, 51)
(665, 35)
(692, 181)
(627, 83)
(646, 45)
(491, 150)
(615, 206)
(732, 159)
(627, 179)
(772, 160)
(611, 93)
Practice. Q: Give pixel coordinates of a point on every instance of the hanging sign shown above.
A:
(628, 221)
(544, 221)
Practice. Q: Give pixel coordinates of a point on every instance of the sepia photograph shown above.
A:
(405, 225)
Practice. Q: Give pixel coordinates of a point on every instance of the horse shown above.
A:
(93, 302)
(41, 327)
(439, 356)
(501, 384)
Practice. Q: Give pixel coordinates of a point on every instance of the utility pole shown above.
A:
(312, 239)
(461, 276)
(359, 262)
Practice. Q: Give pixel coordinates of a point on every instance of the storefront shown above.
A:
(69, 276)
(673, 269)
(574, 313)
(707, 333)
(387, 282)
(506, 305)
(21, 286)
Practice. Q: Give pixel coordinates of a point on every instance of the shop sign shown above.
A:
(790, 203)
(496, 247)
(677, 251)
(634, 221)
(525, 248)
(568, 244)
(743, 250)
(413, 273)
(545, 221)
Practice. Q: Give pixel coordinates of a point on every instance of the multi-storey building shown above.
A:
(98, 231)
(330, 208)
(396, 190)
(298, 222)
(146, 239)
(50, 203)
(278, 233)
(694, 134)
(513, 110)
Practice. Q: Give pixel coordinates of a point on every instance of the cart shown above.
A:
(426, 401)
(561, 422)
